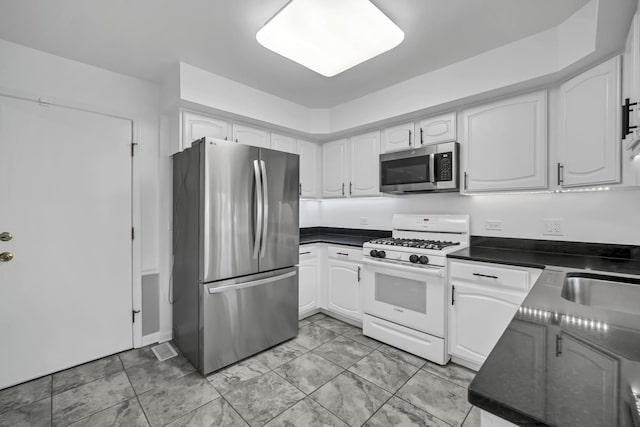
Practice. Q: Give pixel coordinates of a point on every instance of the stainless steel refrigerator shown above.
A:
(235, 248)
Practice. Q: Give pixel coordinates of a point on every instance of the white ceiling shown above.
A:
(142, 38)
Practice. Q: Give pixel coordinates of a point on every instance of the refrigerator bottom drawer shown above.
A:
(244, 318)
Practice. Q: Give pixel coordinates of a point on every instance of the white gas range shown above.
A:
(404, 283)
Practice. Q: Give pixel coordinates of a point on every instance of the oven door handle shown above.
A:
(430, 271)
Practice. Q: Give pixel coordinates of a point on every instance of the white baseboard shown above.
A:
(471, 365)
(165, 336)
(150, 339)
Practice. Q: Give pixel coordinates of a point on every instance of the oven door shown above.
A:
(409, 296)
(408, 171)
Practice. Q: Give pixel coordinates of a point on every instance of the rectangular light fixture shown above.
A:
(330, 36)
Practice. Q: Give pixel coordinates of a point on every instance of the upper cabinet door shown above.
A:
(283, 143)
(251, 136)
(334, 173)
(397, 138)
(196, 126)
(364, 161)
(505, 144)
(309, 169)
(588, 137)
(441, 128)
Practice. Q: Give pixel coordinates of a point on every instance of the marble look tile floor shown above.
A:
(330, 375)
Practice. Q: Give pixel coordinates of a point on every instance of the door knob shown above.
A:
(6, 236)
(6, 256)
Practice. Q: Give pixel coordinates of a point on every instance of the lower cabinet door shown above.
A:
(308, 285)
(477, 318)
(581, 373)
(344, 292)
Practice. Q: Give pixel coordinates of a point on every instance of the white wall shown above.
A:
(36, 74)
(605, 217)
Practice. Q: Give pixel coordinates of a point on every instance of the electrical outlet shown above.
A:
(493, 225)
(552, 227)
(364, 220)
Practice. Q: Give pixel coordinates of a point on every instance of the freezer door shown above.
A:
(241, 317)
(281, 233)
(230, 211)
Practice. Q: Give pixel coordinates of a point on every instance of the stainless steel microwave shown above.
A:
(431, 168)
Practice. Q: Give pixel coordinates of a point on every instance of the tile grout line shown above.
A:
(135, 393)
(51, 396)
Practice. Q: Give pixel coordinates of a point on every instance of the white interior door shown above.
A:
(66, 296)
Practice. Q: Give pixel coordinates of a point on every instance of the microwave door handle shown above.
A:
(432, 166)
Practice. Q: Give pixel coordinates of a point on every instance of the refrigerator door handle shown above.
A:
(265, 204)
(259, 201)
(218, 289)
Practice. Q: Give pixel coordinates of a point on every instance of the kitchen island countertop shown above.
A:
(561, 363)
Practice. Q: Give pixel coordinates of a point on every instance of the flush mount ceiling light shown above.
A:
(330, 36)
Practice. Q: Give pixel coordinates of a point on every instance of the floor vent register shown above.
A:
(164, 351)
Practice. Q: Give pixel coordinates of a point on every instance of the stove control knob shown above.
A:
(373, 253)
(382, 254)
(424, 260)
(413, 258)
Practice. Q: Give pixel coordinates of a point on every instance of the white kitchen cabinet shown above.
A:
(505, 144)
(589, 376)
(440, 128)
(350, 166)
(251, 136)
(309, 169)
(344, 288)
(398, 138)
(484, 299)
(334, 168)
(589, 136)
(364, 157)
(283, 143)
(196, 126)
(308, 275)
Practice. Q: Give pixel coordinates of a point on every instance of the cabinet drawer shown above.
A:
(345, 253)
(490, 275)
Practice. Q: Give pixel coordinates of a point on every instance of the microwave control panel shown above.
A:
(444, 166)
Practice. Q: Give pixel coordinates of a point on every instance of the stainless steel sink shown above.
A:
(614, 293)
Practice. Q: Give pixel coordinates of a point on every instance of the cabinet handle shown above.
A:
(558, 345)
(343, 188)
(485, 275)
(560, 174)
(300, 189)
(342, 253)
(626, 111)
(350, 188)
(409, 137)
(421, 140)
(236, 139)
(358, 273)
(465, 180)
(453, 294)
(305, 253)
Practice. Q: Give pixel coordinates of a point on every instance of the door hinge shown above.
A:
(558, 345)
(453, 294)
(133, 315)
(133, 148)
(133, 233)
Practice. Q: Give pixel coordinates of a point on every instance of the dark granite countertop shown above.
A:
(340, 236)
(622, 259)
(561, 363)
